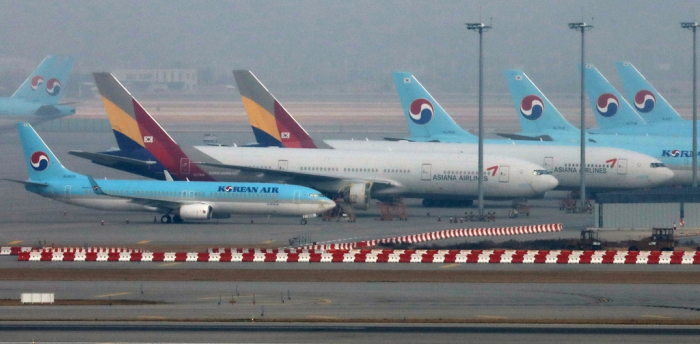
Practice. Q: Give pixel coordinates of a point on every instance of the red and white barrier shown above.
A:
(14, 250)
(440, 235)
(382, 256)
(4, 251)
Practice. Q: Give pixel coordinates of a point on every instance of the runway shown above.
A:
(352, 333)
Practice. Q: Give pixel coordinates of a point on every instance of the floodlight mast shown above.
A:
(583, 27)
(693, 27)
(481, 28)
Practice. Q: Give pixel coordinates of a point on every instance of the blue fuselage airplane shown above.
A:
(177, 201)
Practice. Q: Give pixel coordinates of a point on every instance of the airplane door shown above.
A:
(191, 194)
(183, 194)
(503, 174)
(66, 192)
(283, 164)
(426, 172)
(622, 166)
(549, 163)
(297, 196)
(184, 166)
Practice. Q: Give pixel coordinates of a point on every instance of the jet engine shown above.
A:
(357, 195)
(195, 212)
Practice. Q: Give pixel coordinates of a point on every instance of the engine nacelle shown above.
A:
(195, 212)
(357, 195)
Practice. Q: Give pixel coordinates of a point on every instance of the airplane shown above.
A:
(617, 117)
(178, 201)
(608, 168)
(37, 99)
(145, 148)
(648, 102)
(272, 124)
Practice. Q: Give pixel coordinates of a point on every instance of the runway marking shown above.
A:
(14, 242)
(115, 294)
(491, 317)
(321, 317)
(144, 241)
(170, 264)
(150, 317)
(656, 316)
(449, 266)
(267, 242)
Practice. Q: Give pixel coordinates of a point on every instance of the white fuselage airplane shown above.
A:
(384, 175)
(607, 168)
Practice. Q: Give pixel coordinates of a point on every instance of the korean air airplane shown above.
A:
(37, 99)
(648, 102)
(177, 201)
(616, 116)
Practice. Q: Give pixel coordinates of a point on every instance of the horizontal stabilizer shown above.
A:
(108, 160)
(26, 182)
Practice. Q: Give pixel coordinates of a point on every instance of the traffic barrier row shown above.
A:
(388, 256)
(4, 251)
(440, 235)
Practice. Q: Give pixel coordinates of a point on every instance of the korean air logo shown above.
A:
(39, 161)
(53, 87)
(36, 81)
(532, 107)
(228, 188)
(644, 101)
(607, 105)
(421, 111)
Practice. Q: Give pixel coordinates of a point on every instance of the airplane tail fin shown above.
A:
(535, 112)
(611, 110)
(135, 129)
(272, 124)
(425, 117)
(45, 84)
(42, 164)
(644, 97)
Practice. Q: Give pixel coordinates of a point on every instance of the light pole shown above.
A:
(694, 26)
(583, 27)
(481, 28)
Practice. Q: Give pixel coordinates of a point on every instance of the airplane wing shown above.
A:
(26, 182)
(301, 176)
(109, 160)
(147, 201)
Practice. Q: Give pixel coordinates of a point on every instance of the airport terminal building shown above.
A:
(158, 80)
(648, 208)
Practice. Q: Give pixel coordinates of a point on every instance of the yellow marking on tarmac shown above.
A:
(656, 316)
(115, 294)
(14, 242)
(267, 242)
(144, 242)
(150, 317)
(449, 266)
(169, 264)
(490, 317)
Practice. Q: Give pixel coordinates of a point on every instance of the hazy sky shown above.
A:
(299, 45)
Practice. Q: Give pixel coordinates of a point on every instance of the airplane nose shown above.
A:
(326, 204)
(544, 183)
(666, 176)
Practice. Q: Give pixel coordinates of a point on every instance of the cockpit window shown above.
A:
(314, 195)
(540, 172)
(657, 165)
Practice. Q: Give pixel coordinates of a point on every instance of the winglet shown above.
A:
(95, 187)
(168, 177)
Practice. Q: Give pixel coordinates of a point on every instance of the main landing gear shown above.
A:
(168, 219)
(441, 203)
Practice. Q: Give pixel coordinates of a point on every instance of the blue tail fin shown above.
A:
(42, 165)
(611, 110)
(536, 114)
(427, 120)
(46, 83)
(646, 100)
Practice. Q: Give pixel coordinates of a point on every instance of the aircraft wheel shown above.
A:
(166, 219)
(303, 221)
(177, 219)
(633, 248)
